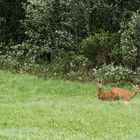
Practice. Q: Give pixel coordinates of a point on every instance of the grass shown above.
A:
(35, 109)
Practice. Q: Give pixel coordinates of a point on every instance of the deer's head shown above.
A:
(99, 84)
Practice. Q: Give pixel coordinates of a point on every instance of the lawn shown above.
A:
(37, 109)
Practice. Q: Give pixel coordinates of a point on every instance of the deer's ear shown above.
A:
(138, 89)
(100, 82)
(134, 86)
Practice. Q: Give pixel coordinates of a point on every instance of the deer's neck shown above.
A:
(99, 91)
(133, 95)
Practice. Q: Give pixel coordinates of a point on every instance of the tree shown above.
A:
(130, 42)
(11, 12)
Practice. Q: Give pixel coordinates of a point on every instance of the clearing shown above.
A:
(37, 109)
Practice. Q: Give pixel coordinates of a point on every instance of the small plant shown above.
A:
(82, 76)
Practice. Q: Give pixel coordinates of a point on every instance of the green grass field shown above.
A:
(37, 109)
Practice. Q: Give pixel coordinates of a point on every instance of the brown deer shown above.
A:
(116, 93)
(105, 95)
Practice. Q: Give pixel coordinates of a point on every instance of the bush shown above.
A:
(18, 57)
(98, 47)
(67, 62)
(115, 74)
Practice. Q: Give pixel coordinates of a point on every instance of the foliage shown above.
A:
(11, 12)
(99, 47)
(115, 74)
(64, 24)
(69, 62)
(130, 42)
(18, 57)
(46, 36)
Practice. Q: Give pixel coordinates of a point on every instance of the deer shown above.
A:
(116, 93)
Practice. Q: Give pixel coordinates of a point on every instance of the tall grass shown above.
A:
(37, 109)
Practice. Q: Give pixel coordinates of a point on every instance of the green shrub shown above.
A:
(18, 57)
(115, 74)
(67, 62)
(98, 47)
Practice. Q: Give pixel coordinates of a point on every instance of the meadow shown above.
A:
(35, 109)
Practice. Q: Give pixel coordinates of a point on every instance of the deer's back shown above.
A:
(107, 95)
(121, 93)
